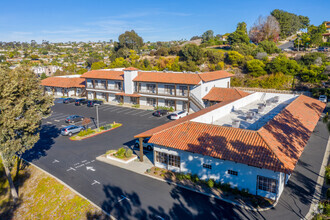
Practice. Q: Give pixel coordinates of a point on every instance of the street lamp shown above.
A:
(97, 117)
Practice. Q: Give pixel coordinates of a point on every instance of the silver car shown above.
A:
(71, 129)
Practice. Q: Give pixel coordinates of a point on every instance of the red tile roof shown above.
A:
(152, 131)
(104, 74)
(276, 146)
(130, 69)
(289, 131)
(164, 77)
(210, 76)
(64, 82)
(226, 143)
(326, 34)
(130, 95)
(224, 94)
(160, 77)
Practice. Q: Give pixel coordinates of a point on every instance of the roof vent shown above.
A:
(269, 102)
(276, 99)
(261, 108)
(236, 123)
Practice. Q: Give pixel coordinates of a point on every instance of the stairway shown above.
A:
(196, 101)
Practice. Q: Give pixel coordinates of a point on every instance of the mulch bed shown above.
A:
(201, 186)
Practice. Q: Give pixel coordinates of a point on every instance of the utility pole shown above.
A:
(97, 117)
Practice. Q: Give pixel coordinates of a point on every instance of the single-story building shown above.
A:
(217, 95)
(252, 143)
(71, 85)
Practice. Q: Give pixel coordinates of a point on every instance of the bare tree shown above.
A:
(265, 28)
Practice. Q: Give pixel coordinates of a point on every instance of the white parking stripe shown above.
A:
(139, 112)
(55, 115)
(145, 114)
(60, 117)
(115, 109)
(132, 110)
(125, 110)
(108, 108)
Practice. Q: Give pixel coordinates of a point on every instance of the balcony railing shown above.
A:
(90, 86)
(99, 87)
(147, 91)
(114, 88)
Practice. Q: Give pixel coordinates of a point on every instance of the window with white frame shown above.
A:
(232, 172)
(169, 159)
(173, 160)
(161, 157)
(151, 101)
(207, 166)
(266, 184)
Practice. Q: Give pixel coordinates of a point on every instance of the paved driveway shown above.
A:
(128, 195)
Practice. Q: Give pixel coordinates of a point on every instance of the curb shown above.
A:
(214, 196)
(319, 184)
(73, 190)
(99, 158)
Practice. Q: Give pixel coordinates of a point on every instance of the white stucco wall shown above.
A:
(246, 178)
(70, 91)
(99, 95)
(128, 81)
(161, 102)
(220, 83)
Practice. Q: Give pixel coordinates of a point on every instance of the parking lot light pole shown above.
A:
(97, 117)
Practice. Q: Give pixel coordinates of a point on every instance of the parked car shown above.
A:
(148, 146)
(80, 102)
(68, 100)
(74, 118)
(94, 102)
(178, 114)
(323, 49)
(323, 98)
(160, 112)
(71, 129)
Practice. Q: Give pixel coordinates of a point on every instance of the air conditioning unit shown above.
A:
(236, 123)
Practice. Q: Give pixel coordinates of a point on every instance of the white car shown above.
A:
(148, 146)
(323, 98)
(178, 114)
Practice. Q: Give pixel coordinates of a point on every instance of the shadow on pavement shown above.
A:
(188, 205)
(47, 135)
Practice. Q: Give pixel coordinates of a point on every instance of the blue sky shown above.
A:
(156, 20)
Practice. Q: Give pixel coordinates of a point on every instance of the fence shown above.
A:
(306, 93)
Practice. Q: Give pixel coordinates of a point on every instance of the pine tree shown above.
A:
(22, 106)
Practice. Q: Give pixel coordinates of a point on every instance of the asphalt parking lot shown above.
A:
(127, 195)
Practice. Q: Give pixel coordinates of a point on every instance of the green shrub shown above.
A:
(225, 187)
(136, 106)
(235, 191)
(116, 125)
(210, 183)
(328, 193)
(187, 176)
(102, 128)
(170, 109)
(245, 192)
(86, 132)
(121, 151)
(148, 170)
(179, 176)
(128, 153)
(327, 174)
(195, 178)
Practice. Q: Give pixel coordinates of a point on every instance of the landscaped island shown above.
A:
(93, 132)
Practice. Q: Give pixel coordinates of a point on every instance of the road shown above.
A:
(127, 195)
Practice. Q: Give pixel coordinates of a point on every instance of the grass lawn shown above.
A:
(42, 197)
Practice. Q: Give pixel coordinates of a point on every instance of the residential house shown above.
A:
(252, 143)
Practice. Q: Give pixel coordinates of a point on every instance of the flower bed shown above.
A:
(93, 132)
(121, 155)
(223, 190)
